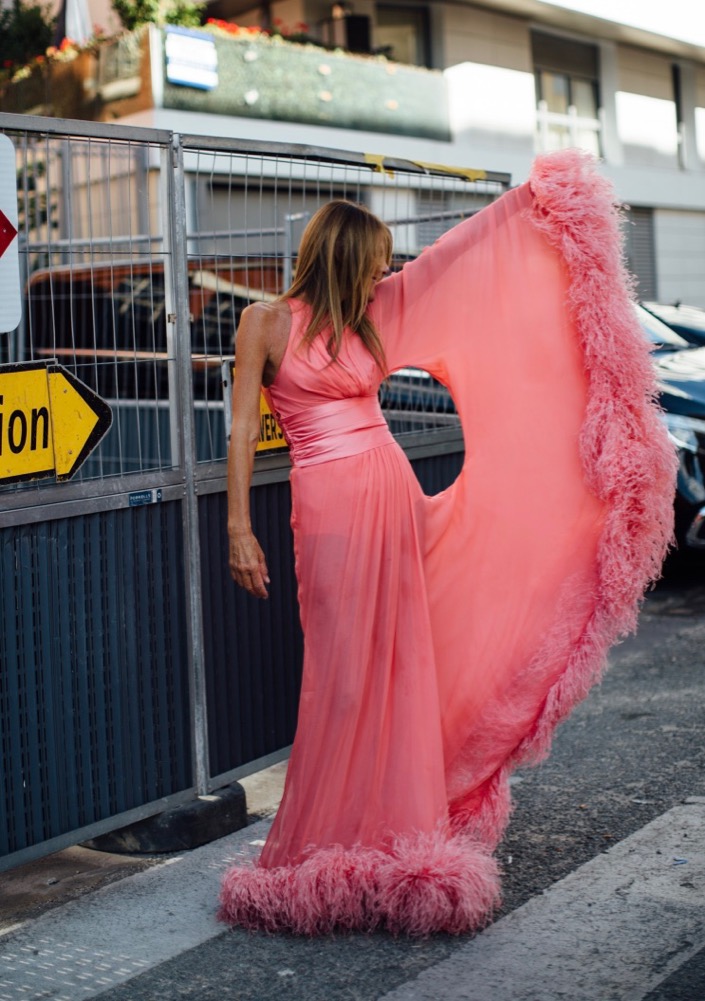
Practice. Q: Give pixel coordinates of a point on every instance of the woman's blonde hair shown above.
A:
(337, 256)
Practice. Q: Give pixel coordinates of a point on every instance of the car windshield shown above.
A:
(686, 316)
(660, 334)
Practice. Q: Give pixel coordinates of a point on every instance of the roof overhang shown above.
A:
(552, 16)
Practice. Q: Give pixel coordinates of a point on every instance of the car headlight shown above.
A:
(682, 431)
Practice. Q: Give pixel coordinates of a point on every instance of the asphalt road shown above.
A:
(632, 750)
(629, 753)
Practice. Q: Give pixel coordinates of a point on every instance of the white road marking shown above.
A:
(615, 928)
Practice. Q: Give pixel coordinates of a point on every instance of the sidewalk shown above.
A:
(34, 888)
(628, 925)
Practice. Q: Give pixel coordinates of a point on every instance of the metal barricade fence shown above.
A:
(133, 674)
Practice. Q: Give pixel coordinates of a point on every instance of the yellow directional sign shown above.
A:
(270, 434)
(50, 421)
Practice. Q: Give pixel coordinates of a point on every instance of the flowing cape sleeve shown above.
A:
(538, 554)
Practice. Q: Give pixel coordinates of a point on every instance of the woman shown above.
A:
(444, 636)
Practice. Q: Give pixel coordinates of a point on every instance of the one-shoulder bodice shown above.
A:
(327, 409)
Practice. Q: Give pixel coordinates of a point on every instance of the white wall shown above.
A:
(646, 110)
(481, 36)
(491, 91)
(699, 74)
(100, 14)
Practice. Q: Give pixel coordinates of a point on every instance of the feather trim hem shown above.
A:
(423, 884)
(627, 457)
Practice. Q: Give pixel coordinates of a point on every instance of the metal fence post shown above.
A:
(66, 216)
(289, 219)
(180, 319)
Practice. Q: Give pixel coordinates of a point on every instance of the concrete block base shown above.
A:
(182, 828)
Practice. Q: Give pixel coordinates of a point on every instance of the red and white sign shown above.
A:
(10, 292)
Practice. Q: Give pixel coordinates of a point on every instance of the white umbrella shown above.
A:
(74, 21)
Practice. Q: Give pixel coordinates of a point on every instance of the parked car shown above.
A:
(688, 321)
(680, 371)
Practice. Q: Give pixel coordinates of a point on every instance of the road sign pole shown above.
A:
(10, 291)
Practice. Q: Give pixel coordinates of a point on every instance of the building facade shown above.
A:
(506, 79)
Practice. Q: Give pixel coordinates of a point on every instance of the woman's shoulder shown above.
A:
(266, 312)
(265, 319)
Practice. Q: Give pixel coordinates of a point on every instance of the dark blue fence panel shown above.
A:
(94, 684)
(436, 472)
(253, 649)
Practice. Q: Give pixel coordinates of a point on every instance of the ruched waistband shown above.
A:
(335, 430)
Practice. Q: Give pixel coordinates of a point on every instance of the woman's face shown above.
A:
(380, 268)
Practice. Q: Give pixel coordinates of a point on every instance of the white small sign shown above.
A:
(10, 291)
(191, 59)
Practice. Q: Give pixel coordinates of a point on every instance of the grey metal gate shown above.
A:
(133, 674)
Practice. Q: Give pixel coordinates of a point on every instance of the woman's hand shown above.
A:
(248, 565)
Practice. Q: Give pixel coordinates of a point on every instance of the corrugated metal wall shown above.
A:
(94, 716)
(253, 649)
(641, 250)
(436, 472)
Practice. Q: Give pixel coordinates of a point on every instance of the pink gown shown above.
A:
(446, 636)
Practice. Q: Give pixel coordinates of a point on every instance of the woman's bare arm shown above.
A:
(259, 348)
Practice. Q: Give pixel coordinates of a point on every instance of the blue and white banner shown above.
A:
(191, 59)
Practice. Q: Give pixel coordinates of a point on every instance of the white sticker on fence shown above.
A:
(10, 295)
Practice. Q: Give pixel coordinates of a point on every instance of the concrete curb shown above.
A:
(190, 825)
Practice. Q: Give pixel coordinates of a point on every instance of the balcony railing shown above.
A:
(253, 76)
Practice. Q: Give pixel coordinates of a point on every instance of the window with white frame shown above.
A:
(567, 93)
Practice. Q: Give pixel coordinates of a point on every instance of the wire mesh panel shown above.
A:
(95, 259)
(96, 715)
